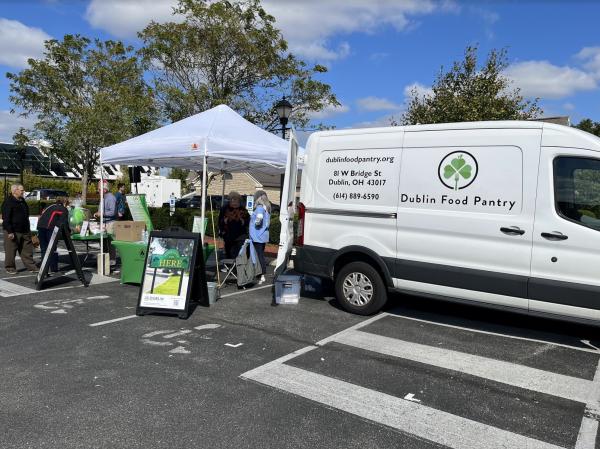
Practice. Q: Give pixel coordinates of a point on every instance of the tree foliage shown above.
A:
(20, 141)
(182, 174)
(86, 95)
(470, 92)
(230, 53)
(590, 126)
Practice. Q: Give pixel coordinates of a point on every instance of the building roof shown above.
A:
(42, 163)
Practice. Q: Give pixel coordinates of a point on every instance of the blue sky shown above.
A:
(375, 50)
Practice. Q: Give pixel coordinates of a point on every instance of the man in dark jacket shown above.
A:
(17, 235)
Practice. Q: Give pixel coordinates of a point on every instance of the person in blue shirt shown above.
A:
(120, 197)
(259, 228)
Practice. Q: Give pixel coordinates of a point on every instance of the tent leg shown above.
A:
(204, 174)
(101, 269)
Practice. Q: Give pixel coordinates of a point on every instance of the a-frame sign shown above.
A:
(174, 280)
(66, 236)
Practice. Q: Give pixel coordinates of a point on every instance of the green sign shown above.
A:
(170, 259)
(139, 210)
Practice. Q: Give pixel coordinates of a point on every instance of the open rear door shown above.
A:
(288, 207)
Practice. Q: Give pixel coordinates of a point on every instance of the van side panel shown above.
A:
(465, 218)
(350, 192)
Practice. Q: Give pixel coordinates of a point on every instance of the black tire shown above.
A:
(369, 297)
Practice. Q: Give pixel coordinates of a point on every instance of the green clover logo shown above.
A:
(457, 168)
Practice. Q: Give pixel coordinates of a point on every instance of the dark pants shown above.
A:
(21, 244)
(45, 235)
(260, 253)
(232, 248)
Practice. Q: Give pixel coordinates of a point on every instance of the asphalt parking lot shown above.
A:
(80, 370)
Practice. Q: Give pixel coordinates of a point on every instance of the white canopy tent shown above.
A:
(220, 133)
(215, 140)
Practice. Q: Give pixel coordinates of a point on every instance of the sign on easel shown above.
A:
(139, 209)
(65, 234)
(174, 275)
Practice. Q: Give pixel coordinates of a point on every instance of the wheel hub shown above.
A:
(358, 289)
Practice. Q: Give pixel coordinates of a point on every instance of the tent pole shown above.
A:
(202, 228)
(101, 270)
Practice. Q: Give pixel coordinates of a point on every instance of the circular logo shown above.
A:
(458, 170)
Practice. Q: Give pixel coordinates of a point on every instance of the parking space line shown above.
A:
(586, 439)
(515, 337)
(559, 385)
(18, 277)
(247, 291)
(351, 329)
(102, 323)
(413, 418)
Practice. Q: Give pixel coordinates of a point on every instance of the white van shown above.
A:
(504, 214)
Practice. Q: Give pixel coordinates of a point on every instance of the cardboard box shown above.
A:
(128, 231)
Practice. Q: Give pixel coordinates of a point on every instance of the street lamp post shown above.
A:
(284, 110)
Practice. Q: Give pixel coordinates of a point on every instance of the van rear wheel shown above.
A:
(359, 289)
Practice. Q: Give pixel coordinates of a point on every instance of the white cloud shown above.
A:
(124, 19)
(329, 111)
(376, 104)
(378, 122)
(545, 80)
(421, 90)
(590, 57)
(10, 124)
(569, 106)
(309, 25)
(18, 42)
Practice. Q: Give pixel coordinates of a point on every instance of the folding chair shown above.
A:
(229, 266)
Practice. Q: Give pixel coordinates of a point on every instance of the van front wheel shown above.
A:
(359, 289)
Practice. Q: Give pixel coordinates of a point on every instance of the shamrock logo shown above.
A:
(458, 170)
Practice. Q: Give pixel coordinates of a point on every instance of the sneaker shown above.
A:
(11, 271)
(113, 263)
(261, 280)
(34, 270)
(224, 270)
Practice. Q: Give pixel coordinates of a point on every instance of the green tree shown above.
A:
(590, 126)
(229, 53)
(21, 141)
(181, 174)
(86, 95)
(469, 92)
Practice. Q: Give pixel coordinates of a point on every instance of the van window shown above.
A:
(577, 190)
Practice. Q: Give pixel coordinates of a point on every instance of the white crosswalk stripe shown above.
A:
(509, 373)
(418, 419)
(425, 422)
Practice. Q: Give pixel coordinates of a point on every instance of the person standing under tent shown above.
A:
(120, 197)
(259, 228)
(110, 215)
(56, 214)
(233, 225)
(17, 233)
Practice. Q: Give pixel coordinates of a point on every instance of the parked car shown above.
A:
(45, 194)
(195, 202)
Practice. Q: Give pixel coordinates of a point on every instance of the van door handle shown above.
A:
(512, 230)
(554, 236)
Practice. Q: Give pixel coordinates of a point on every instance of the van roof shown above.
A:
(554, 135)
